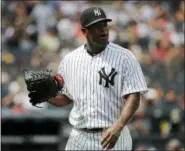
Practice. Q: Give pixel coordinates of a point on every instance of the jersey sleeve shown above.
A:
(61, 71)
(133, 79)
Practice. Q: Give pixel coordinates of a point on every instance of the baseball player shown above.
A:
(104, 82)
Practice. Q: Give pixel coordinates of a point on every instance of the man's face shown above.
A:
(98, 33)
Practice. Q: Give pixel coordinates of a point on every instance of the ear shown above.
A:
(84, 31)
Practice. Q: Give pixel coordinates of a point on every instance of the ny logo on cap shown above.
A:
(97, 12)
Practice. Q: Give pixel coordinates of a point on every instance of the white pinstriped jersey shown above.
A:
(98, 83)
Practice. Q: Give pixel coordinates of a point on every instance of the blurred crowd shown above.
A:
(38, 34)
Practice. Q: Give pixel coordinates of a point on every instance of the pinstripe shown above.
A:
(99, 138)
(118, 87)
(113, 65)
(135, 73)
(99, 96)
(90, 93)
(126, 84)
(101, 92)
(139, 75)
(82, 142)
(80, 83)
(118, 103)
(126, 140)
(130, 71)
(64, 73)
(94, 139)
(137, 67)
(109, 59)
(96, 142)
(126, 63)
(69, 143)
(128, 54)
(93, 85)
(129, 139)
(101, 134)
(104, 101)
(140, 69)
(76, 81)
(77, 142)
(71, 73)
(106, 56)
(121, 143)
(86, 94)
(72, 86)
(111, 97)
(89, 147)
(119, 61)
(107, 103)
(85, 83)
(94, 90)
(82, 137)
(86, 141)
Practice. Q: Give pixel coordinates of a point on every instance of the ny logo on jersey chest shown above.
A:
(109, 78)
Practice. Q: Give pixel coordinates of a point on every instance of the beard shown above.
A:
(94, 47)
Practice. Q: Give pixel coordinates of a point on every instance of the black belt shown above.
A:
(92, 130)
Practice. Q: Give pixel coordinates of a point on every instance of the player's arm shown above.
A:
(130, 106)
(60, 100)
(133, 84)
(43, 86)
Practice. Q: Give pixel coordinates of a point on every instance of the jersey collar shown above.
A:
(94, 54)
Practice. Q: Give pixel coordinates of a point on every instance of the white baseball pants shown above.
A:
(80, 140)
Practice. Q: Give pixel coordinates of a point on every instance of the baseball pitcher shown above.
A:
(103, 81)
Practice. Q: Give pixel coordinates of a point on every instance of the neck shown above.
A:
(94, 48)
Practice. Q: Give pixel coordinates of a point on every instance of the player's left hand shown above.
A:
(42, 85)
(111, 136)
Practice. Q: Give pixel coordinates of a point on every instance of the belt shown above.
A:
(92, 130)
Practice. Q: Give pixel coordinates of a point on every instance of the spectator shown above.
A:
(174, 144)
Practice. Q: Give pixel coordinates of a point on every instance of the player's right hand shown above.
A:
(111, 136)
(60, 81)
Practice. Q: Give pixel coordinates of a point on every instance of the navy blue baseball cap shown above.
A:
(93, 15)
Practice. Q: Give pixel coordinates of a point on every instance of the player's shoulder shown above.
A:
(121, 50)
(73, 53)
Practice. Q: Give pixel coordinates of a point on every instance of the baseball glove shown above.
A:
(42, 85)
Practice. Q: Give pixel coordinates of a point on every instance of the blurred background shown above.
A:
(38, 34)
